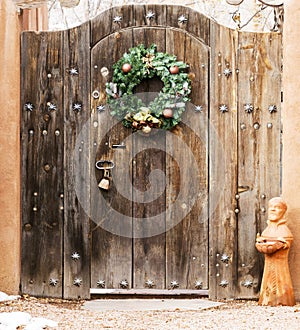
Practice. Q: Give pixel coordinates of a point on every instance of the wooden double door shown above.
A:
(150, 228)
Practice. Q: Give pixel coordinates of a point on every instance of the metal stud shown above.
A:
(237, 196)
(263, 210)
(236, 210)
(51, 106)
(101, 284)
(73, 72)
(227, 72)
(77, 281)
(150, 284)
(248, 107)
(28, 106)
(247, 284)
(31, 132)
(44, 132)
(96, 94)
(182, 19)
(202, 66)
(53, 281)
(49, 75)
(198, 108)
(243, 126)
(34, 209)
(225, 258)
(124, 284)
(77, 107)
(223, 108)
(100, 108)
(47, 167)
(256, 126)
(269, 125)
(117, 19)
(224, 283)
(198, 284)
(150, 15)
(272, 108)
(263, 196)
(174, 284)
(75, 256)
(57, 132)
(35, 194)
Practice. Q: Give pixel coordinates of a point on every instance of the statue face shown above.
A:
(276, 211)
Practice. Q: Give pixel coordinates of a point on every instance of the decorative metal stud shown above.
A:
(198, 284)
(182, 19)
(34, 209)
(73, 72)
(150, 15)
(104, 71)
(174, 284)
(203, 66)
(28, 106)
(150, 284)
(243, 126)
(237, 196)
(77, 281)
(269, 125)
(100, 108)
(224, 283)
(263, 210)
(124, 284)
(49, 75)
(35, 194)
(101, 284)
(263, 196)
(227, 72)
(256, 126)
(247, 284)
(75, 256)
(225, 258)
(198, 108)
(96, 94)
(31, 132)
(248, 107)
(117, 19)
(272, 108)
(51, 106)
(77, 107)
(57, 132)
(44, 132)
(237, 71)
(223, 108)
(237, 210)
(53, 281)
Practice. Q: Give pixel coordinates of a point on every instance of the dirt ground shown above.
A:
(232, 315)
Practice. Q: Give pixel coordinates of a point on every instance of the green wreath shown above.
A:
(145, 63)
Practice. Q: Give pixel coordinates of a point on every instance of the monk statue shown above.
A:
(274, 243)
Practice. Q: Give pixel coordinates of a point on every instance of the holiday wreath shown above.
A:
(145, 63)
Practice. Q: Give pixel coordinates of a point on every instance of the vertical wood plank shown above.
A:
(42, 164)
(187, 186)
(149, 252)
(76, 226)
(223, 164)
(111, 210)
(259, 148)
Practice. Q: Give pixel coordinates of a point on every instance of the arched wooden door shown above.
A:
(150, 229)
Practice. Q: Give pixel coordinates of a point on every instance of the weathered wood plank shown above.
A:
(111, 210)
(76, 225)
(149, 252)
(42, 164)
(223, 164)
(259, 148)
(187, 173)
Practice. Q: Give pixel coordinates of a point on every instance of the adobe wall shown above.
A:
(11, 24)
(291, 131)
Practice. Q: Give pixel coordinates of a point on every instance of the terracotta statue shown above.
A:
(274, 243)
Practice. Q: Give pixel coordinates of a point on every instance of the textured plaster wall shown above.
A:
(9, 148)
(291, 132)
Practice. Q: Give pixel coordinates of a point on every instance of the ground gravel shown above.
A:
(232, 315)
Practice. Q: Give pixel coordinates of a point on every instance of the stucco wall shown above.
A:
(9, 148)
(291, 132)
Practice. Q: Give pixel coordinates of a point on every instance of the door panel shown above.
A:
(162, 176)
